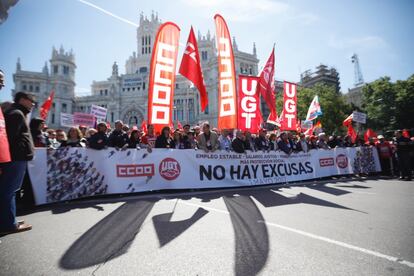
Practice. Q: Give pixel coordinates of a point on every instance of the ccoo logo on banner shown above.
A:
(162, 76)
(249, 115)
(227, 115)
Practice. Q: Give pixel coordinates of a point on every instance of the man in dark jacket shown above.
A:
(99, 140)
(403, 154)
(21, 151)
(118, 138)
(261, 143)
(238, 144)
(284, 144)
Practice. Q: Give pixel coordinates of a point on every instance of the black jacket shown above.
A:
(238, 145)
(73, 144)
(118, 138)
(98, 141)
(261, 143)
(163, 142)
(283, 146)
(18, 133)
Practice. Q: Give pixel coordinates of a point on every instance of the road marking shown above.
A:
(317, 237)
(343, 244)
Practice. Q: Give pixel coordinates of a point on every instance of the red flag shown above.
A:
(352, 133)
(108, 125)
(191, 68)
(249, 115)
(227, 110)
(266, 87)
(44, 109)
(289, 106)
(179, 125)
(405, 133)
(4, 143)
(162, 76)
(348, 120)
(144, 126)
(368, 134)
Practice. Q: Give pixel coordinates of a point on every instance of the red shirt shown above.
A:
(149, 140)
(4, 143)
(384, 149)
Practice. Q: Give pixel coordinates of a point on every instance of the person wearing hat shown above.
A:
(99, 140)
(22, 151)
(385, 154)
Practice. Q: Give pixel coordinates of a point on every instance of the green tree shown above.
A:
(333, 105)
(388, 105)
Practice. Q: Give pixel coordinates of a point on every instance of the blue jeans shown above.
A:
(11, 179)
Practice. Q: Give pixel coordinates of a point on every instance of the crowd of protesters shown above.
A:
(396, 155)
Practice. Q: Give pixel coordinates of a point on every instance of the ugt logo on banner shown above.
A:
(249, 116)
(289, 106)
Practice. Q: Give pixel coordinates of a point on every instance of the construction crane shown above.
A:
(359, 80)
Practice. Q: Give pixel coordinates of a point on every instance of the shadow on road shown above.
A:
(112, 236)
(252, 238)
(168, 230)
(109, 238)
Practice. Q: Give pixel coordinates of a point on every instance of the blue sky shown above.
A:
(306, 34)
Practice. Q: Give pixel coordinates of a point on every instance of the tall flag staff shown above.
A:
(191, 68)
(266, 87)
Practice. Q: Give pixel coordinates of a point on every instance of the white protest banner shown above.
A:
(84, 119)
(359, 117)
(66, 120)
(99, 112)
(70, 173)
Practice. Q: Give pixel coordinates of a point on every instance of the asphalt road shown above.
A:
(358, 227)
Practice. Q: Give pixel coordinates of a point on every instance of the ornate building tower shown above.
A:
(62, 81)
(146, 32)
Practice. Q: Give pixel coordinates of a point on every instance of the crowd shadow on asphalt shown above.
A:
(113, 235)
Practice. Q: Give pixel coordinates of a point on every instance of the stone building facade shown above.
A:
(126, 95)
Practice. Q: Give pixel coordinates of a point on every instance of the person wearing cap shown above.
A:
(208, 140)
(99, 140)
(261, 142)
(197, 131)
(118, 138)
(22, 151)
(322, 141)
(385, 154)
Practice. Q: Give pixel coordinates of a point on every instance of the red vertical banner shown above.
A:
(227, 110)
(289, 106)
(249, 115)
(162, 76)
